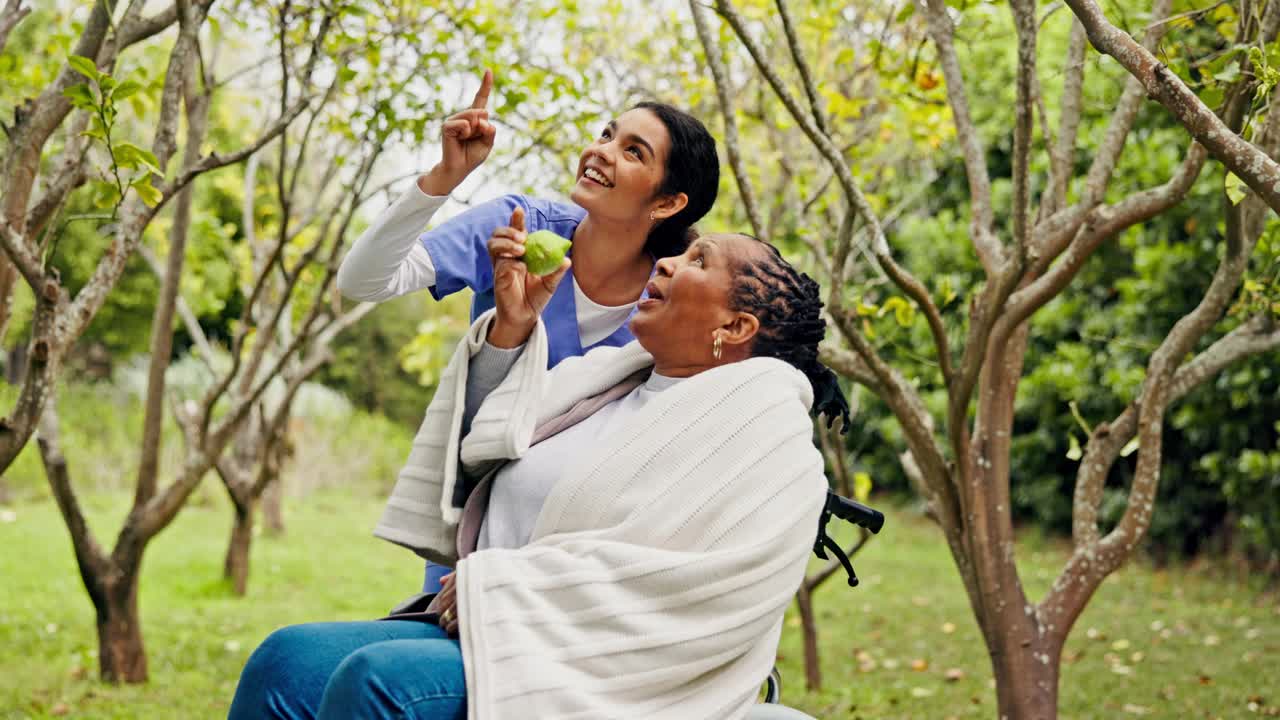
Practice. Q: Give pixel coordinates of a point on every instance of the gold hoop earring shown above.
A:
(717, 347)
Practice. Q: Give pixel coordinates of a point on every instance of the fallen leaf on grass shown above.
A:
(1136, 709)
(8, 516)
(1212, 640)
(948, 628)
(59, 709)
(953, 674)
(919, 692)
(919, 664)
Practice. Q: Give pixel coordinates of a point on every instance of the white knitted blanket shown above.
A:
(662, 561)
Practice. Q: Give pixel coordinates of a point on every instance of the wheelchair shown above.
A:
(849, 511)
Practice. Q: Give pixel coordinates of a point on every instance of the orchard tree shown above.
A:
(1031, 242)
(70, 136)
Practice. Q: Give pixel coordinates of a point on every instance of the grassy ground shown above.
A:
(1182, 643)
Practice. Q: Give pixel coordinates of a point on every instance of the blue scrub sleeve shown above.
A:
(459, 247)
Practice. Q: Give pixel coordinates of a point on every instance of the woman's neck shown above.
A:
(609, 261)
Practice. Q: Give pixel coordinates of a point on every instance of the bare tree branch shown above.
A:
(712, 51)
(188, 316)
(912, 287)
(88, 552)
(1259, 172)
(1024, 15)
(802, 66)
(1068, 122)
(10, 16)
(981, 229)
(1100, 225)
(849, 365)
(161, 344)
(1104, 162)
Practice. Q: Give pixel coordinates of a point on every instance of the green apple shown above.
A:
(544, 252)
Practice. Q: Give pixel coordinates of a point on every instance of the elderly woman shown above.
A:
(651, 510)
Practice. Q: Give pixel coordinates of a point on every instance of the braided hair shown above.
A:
(787, 303)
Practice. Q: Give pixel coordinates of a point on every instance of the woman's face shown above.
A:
(620, 173)
(688, 302)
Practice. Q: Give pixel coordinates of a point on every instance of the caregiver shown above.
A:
(650, 175)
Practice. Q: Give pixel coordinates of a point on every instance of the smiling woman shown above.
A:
(639, 187)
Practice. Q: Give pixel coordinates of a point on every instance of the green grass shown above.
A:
(1177, 643)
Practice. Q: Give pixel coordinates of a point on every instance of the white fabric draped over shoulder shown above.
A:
(663, 559)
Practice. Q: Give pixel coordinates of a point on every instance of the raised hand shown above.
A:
(519, 295)
(465, 141)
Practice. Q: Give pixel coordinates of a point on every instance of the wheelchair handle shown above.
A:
(854, 512)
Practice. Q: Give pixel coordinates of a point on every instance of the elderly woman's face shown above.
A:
(689, 299)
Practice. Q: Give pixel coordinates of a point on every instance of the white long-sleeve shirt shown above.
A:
(388, 261)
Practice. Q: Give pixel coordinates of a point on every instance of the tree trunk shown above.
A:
(1026, 665)
(236, 566)
(121, 656)
(272, 505)
(812, 665)
(8, 278)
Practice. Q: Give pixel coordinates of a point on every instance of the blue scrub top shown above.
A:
(459, 252)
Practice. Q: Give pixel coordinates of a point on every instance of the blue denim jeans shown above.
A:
(377, 669)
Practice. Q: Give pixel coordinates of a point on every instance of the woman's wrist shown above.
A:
(507, 336)
(440, 181)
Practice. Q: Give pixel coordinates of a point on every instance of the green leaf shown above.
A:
(84, 66)
(1236, 189)
(1074, 452)
(80, 96)
(903, 311)
(905, 314)
(861, 486)
(905, 14)
(948, 292)
(1228, 74)
(1212, 97)
(132, 156)
(105, 195)
(125, 89)
(149, 194)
